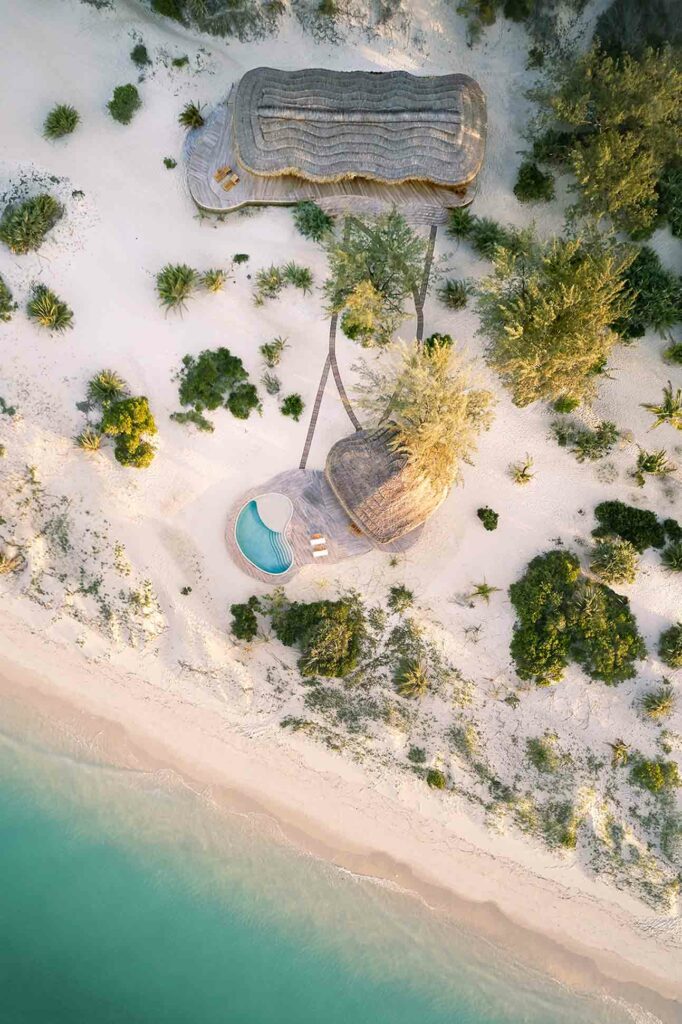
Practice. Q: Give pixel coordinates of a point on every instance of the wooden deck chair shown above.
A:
(222, 173)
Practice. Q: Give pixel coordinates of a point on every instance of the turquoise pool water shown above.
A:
(265, 548)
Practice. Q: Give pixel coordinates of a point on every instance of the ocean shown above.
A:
(126, 896)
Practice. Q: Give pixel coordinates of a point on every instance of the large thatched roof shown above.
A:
(384, 126)
(376, 488)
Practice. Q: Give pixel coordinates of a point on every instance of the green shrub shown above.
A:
(668, 410)
(311, 221)
(195, 418)
(640, 526)
(24, 225)
(271, 383)
(272, 351)
(139, 55)
(292, 405)
(542, 753)
(299, 277)
(670, 646)
(7, 305)
(106, 387)
(240, 257)
(175, 283)
(672, 529)
(562, 617)
(180, 62)
(169, 163)
(615, 560)
(533, 185)
(213, 379)
(583, 442)
(416, 755)
(488, 517)
(191, 116)
(673, 353)
(654, 463)
(518, 10)
(412, 680)
(170, 9)
(89, 440)
(269, 283)
(670, 198)
(127, 420)
(460, 222)
(440, 340)
(123, 104)
(213, 280)
(656, 297)
(659, 703)
(328, 633)
(453, 293)
(400, 598)
(62, 120)
(487, 238)
(672, 556)
(435, 779)
(656, 776)
(244, 622)
(565, 404)
(47, 309)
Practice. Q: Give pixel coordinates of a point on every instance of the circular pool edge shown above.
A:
(282, 533)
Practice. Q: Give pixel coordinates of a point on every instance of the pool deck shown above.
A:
(316, 510)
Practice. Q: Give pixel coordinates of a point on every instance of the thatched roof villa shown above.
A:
(349, 140)
(377, 488)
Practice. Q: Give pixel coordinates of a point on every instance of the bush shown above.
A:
(659, 703)
(311, 221)
(123, 104)
(437, 340)
(170, 9)
(583, 442)
(487, 238)
(565, 404)
(272, 351)
(454, 294)
(518, 10)
(460, 222)
(47, 310)
(62, 120)
(271, 383)
(672, 529)
(213, 379)
(213, 280)
(562, 617)
(670, 198)
(244, 622)
(89, 440)
(670, 646)
(656, 776)
(106, 387)
(191, 116)
(615, 561)
(139, 55)
(175, 283)
(435, 779)
(127, 420)
(169, 163)
(24, 225)
(639, 526)
(656, 297)
(7, 305)
(240, 257)
(673, 353)
(400, 599)
(299, 277)
(533, 185)
(488, 517)
(668, 410)
(672, 556)
(328, 633)
(416, 755)
(293, 406)
(542, 753)
(654, 463)
(412, 680)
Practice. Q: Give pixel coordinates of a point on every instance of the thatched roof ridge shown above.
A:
(390, 127)
(376, 487)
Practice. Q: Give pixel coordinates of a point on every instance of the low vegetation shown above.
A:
(128, 420)
(639, 526)
(659, 703)
(175, 283)
(271, 280)
(212, 380)
(656, 297)
(454, 293)
(533, 185)
(615, 560)
(670, 646)
(244, 625)
(488, 517)
(24, 225)
(272, 351)
(191, 116)
(654, 463)
(312, 222)
(293, 406)
(124, 103)
(62, 120)
(562, 616)
(668, 410)
(7, 304)
(584, 442)
(47, 310)
(658, 776)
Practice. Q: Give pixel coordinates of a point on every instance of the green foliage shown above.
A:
(615, 560)
(106, 387)
(672, 556)
(244, 622)
(366, 318)
(542, 753)
(240, 257)
(673, 353)
(299, 277)
(170, 9)
(24, 225)
(435, 779)
(620, 753)
(669, 410)
(547, 315)
(657, 776)
(47, 310)
(520, 472)
(670, 646)
(659, 703)
(271, 383)
(670, 197)
(654, 463)
(269, 283)
(123, 104)
(272, 351)
(400, 598)
(533, 185)
(460, 222)
(416, 755)
(169, 163)
(673, 530)
(213, 379)
(61, 121)
(437, 340)
(89, 440)
(328, 633)
(213, 280)
(565, 404)
(621, 115)
(292, 405)
(7, 305)
(197, 419)
(562, 617)
(518, 10)
(175, 283)
(311, 221)
(139, 55)
(127, 420)
(483, 590)
(656, 296)
(412, 680)
(488, 517)
(454, 293)
(583, 442)
(637, 525)
(180, 62)
(191, 116)
(488, 238)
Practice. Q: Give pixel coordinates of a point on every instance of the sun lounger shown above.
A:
(318, 542)
(222, 173)
(320, 552)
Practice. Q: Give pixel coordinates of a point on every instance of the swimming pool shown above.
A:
(259, 532)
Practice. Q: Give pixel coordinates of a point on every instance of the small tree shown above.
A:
(615, 561)
(547, 315)
(366, 318)
(292, 405)
(191, 116)
(670, 646)
(488, 517)
(126, 421)
(244, 622)
(533, 185)
(124, 103)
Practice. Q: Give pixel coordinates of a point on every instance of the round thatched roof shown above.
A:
(384, 126)
(377, 488)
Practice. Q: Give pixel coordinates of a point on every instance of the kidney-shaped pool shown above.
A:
(260, 533)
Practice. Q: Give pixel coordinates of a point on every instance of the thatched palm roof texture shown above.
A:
(377, 488)
(390, 127)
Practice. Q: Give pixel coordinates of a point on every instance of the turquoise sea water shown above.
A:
(127, 897)
(264, 548)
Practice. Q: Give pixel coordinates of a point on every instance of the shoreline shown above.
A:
(541, 923)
